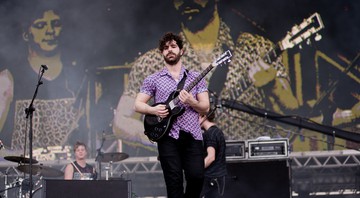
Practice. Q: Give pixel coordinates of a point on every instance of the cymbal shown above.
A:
(40, 170)
(21, 160)
(114, 157)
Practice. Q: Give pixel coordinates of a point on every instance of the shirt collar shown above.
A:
(165, 71)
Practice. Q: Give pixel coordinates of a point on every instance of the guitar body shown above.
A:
(156, 127)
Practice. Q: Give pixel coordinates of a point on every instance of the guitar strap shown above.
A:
(182, 82)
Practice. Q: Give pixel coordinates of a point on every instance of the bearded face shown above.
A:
(172, 58)
(172, 53)
(195, 14)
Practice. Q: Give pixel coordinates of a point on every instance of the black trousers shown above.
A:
(213, 187)
(179, 158)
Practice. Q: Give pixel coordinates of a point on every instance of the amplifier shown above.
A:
(53, 188)
(268, 178)
(235, 149)
(269, 148)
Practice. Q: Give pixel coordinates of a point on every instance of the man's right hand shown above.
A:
(160, 110)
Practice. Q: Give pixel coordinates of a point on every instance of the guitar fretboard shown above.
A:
(244, 83)
(196, 81)
(225, 57)
(273, 54)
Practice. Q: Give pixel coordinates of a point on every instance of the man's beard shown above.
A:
(172, 61)
(196, 21)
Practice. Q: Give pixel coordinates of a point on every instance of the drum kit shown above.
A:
(44, 171)
(38, 170)
(23, 184)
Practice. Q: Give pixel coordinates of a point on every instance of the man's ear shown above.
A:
(182, 52)
(26, 36)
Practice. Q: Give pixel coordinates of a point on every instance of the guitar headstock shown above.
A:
(302, 32)
(224, 58)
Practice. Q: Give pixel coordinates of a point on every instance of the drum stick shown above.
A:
(76, 168)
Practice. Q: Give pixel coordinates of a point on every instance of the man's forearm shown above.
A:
(200, 107)
(142, 107)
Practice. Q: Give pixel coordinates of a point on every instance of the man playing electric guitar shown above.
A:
(181, 150)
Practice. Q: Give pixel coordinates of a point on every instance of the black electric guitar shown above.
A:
(155, 126)
(295, 36)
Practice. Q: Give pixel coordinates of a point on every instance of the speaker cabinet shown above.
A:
(86, 188)
(258, 179)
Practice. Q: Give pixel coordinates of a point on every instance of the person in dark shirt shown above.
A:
(215, 161)
(79, 169)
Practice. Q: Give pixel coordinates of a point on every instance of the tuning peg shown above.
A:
(308, 41)
(318, 37)
(300, 46)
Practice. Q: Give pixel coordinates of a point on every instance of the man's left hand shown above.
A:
(261, 73)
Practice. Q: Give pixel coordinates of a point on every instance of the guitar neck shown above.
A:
(273, 54)
(245, 82)
(196, 81)
(198, 78)
(224, 58)
(298, 34)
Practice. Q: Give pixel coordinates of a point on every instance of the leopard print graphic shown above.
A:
(53, 121)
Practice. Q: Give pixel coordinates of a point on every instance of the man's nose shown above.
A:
(50, 29)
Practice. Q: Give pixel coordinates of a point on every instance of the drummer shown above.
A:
(79, 169)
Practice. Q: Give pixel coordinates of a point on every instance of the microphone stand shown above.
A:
(29, 115)
(319, 103)
(99, 155)
(334, 85)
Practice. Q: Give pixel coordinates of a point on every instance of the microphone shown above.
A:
(45, 67)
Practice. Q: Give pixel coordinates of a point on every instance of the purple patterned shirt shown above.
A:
(161, 84)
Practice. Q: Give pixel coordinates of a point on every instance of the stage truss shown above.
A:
(326, 173)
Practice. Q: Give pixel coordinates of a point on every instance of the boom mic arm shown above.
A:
(292, 120)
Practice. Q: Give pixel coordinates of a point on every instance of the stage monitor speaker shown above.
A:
(86, 188)
(258, 179)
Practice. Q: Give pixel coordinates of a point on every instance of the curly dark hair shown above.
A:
(169, 36)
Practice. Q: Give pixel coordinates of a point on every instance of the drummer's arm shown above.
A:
(69, 171)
